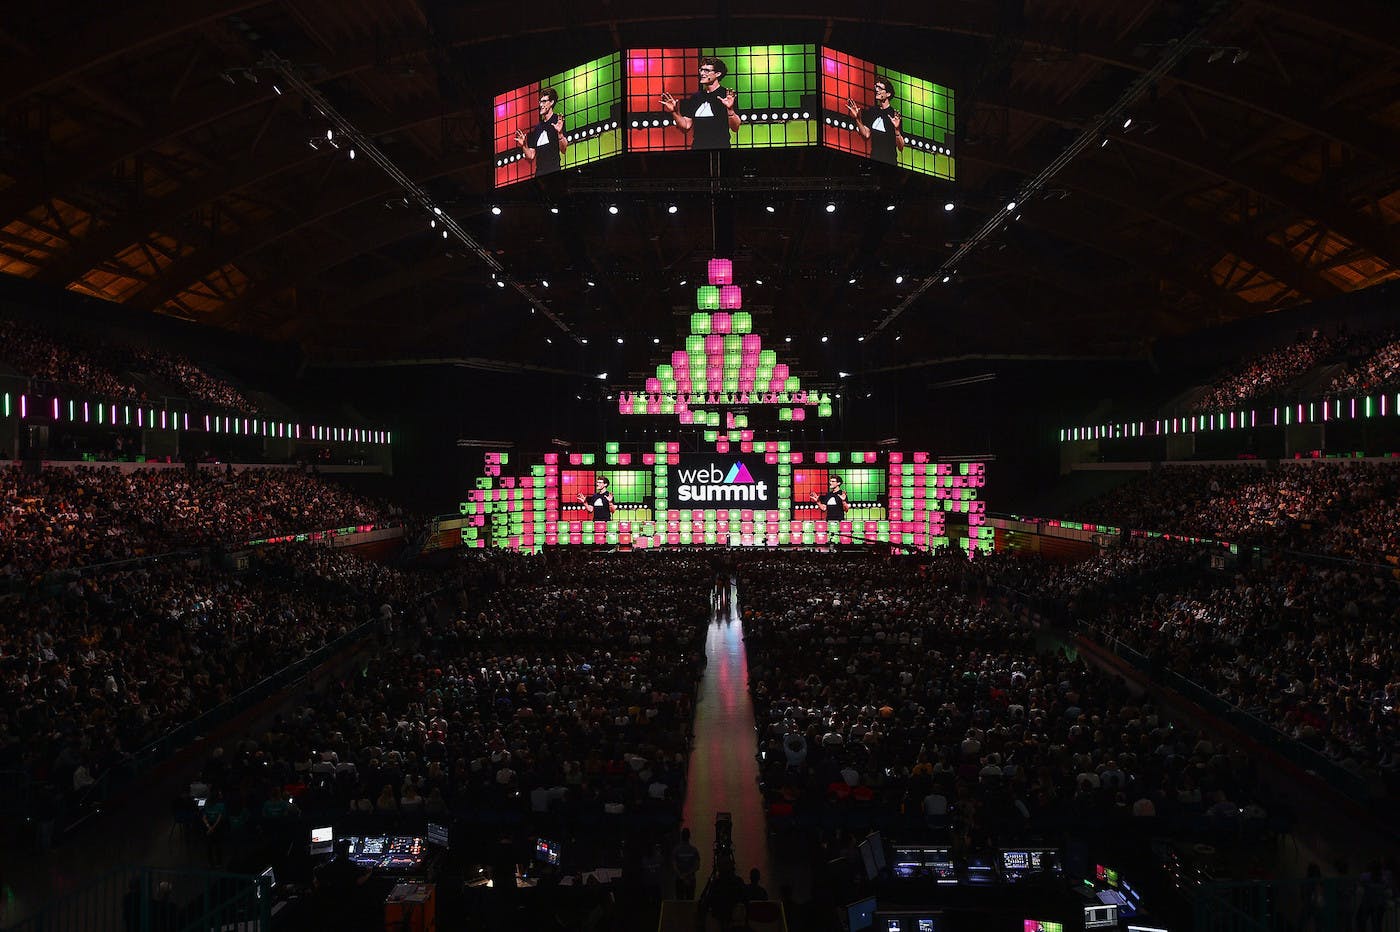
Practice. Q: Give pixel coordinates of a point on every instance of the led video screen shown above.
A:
(886, 115)
(816, 497)
(604, 494)
(562, 121)
(730, 97)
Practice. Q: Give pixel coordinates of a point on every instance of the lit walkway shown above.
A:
(723, 768)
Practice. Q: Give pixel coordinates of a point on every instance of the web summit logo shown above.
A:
(713, 484)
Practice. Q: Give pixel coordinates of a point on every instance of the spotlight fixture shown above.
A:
(758, 281)
(554, 210)
(860, 339)
(899, 279)
(1010, 205)
(850, 281)
(591, 283)
(444, 234)
(499, 283)
(889, 207)
(947, 279)
(495, 210)
(438, 211)
(831, 208)
(619, 341)
(601, 375)
(583, 340)
(671, 209)
(433, 225)
(788, 340)
(843, 375)
(277, 89)
(612, 208)
(825, 338)
(898, 337)
(352, 155)
(1103, 143)
(683, 281)
(1128, 122)
(544, 282)
(948, 206)
(330, 134)
(770, 208)
(655, 340)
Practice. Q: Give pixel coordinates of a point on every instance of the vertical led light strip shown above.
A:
(590, 100)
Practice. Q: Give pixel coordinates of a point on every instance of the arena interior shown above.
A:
(929, 467)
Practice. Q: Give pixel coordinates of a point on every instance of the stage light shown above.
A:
(1103, 142)
(432, 224)
(860, 339)
(655, 339)
(825, 338)
(850, 281)
(771, 209)
(591, 283)
(495, 211)
(437, 210)
(312, 144)
(889, 207)
(1017, 217)
(619, 341)
(444, 234)
(948, 206)
(898, 337)
(583, 340)
(330, 134)
(682, 281)
(549, 341)
(544, 282)
(602, 376)
(1010, 205)
(352, 155)
(758, 281)
(946, 279)
(499, 283)
(831, 208)
(788, 340)
(843, 375)
(277, 89)
(554, 210)
(1128, 122)
(671, 209)
(899, 279)
(612, 208)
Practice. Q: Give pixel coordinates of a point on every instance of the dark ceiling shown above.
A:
(135, 170)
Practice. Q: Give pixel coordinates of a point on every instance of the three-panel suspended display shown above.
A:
(723, 97)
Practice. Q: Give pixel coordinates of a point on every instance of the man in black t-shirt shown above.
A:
(707, 116)
(545, 143)
(601, 501)
(880, 123)
(833, 499)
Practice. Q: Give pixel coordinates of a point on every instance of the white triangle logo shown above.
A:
(879, 125)
(704, 110)
(543, 140)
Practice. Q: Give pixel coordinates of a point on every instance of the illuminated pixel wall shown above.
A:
(590, 100)
(925, 109)
(918, 499)
(775, 89)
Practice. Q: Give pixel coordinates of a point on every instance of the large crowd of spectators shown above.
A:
(102, 367)
(1349, 509)
(1377, 370)
(1266, 374)
(1312, 650)
(925, 690)
(57, 518)
(95, 670)
(45, 356)
(565, 693)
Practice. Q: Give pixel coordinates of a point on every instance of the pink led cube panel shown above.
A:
(721, 271)
(721, 322)
(731, 298)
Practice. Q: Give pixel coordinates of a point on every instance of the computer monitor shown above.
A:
(933, 862)
(1042, 925)
(1100, 916)
(437, 835)
(547, 852)
(861, 914)
(1106, 875)
(1018, 864)
(323, 840)
(872, 855)
(908, 920)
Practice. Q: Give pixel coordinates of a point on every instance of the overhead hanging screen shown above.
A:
(728, 97)
(562, 121)
(886, 115)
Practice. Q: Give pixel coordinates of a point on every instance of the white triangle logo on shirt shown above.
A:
(879, 125)
(704, 110)
(543, 140)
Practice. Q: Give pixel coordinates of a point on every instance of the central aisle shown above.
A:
(723, 765)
